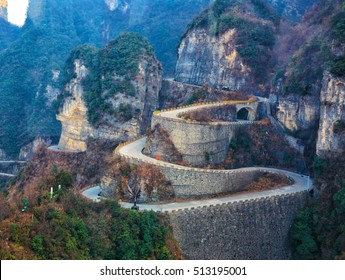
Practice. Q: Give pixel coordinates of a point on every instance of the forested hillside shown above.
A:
(30, 68)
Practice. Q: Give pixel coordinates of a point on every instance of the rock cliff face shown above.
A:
(27, 152)
(213, 60)
(73, 117)
(159, 145)
(229, 46)
(332, 119)
(298, 113)
(123, 108)
(312, 98)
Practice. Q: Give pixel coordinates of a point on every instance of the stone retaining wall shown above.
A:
(252, 229)
(200, 144)
(194, 182)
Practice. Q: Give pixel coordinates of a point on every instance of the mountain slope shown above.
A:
(229, 45)
(30, 69)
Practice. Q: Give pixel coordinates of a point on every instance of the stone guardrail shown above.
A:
(128, 142)
(160, 163)
(251, 100)
(239, 202)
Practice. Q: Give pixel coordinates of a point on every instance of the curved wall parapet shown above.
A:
(196, 182)
(202, 143)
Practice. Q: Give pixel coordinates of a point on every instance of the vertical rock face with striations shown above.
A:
(312, 97)
(332, 118)
(228, 46)
(298, 113)
(111, 93)
(204, 58)
(73, 116)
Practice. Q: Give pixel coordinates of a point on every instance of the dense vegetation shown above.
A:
(318, 232)
(308, 64)
(110, 71)
(262, 146)
(338, 33)
(69, 227)
(255, 38)
(292, 9)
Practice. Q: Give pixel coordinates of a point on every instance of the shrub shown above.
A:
(37, 245)
(301, 235)
(319, 165)
(197, 95)
(339, 126)
(338, 26)
(125, 112)
(307, 66)
(338, 67)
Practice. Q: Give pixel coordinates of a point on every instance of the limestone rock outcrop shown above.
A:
(27, 152)
(123, 108)
(206, 59)
(298, 112)
(159, 145)
(332, 120)
(73, 117)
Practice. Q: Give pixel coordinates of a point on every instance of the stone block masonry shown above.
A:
(200, 144)
(194, 182)
(253, 229)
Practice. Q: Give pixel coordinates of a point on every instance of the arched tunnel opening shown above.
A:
(243, 114)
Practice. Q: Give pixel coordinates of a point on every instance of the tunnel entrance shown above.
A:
(243, 114)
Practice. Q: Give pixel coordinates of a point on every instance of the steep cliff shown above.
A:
(228, 46)
(298, 113)
(110, 93)
(332, 119)
(28, 151)
(204, 58)
(310, 86)
(73, 117)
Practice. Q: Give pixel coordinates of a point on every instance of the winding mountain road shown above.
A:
(134, 149)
